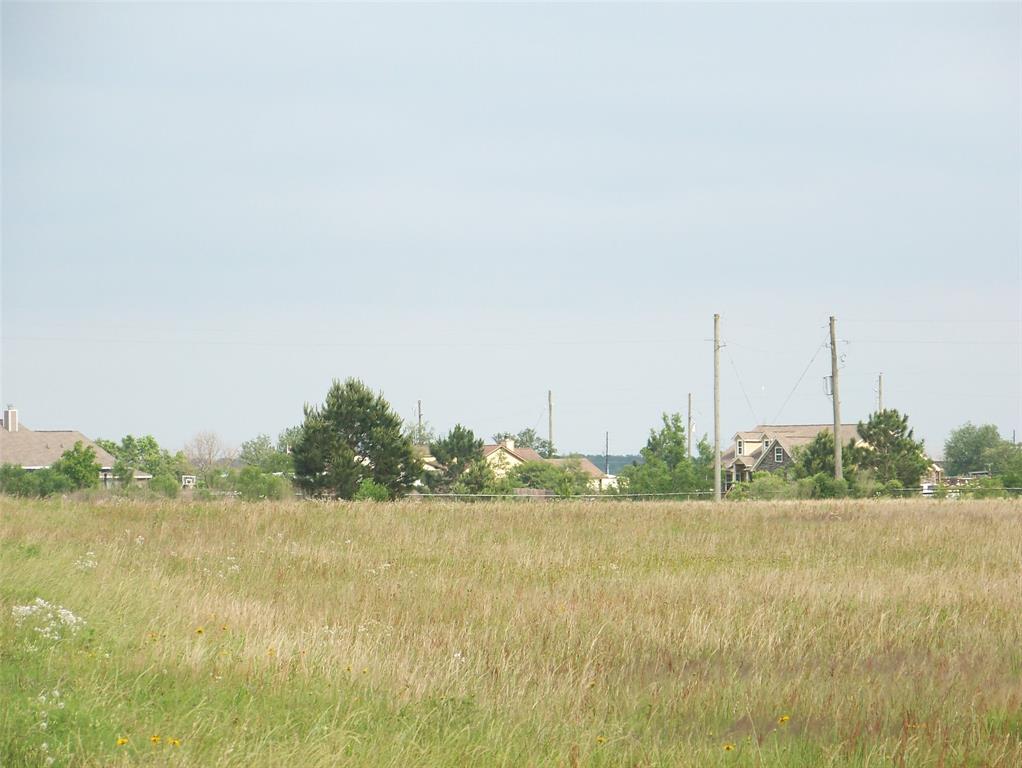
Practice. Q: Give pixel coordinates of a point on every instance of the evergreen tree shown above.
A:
(890, 450)
(354, 435)
(457, 451)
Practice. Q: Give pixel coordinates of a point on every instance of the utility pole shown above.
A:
(606, 454)
(420, 419)
(550, 419)
(838, 469)
(716, 407)
(688, 433)
(880, 392)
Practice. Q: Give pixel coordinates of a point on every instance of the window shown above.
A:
(741, 448)
(778, 454)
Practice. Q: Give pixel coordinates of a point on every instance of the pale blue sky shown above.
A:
(209, 211)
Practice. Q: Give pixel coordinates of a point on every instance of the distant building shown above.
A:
(40, 449)
(771, 448)
(505, 456)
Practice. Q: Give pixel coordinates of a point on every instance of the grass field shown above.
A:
(419, 634)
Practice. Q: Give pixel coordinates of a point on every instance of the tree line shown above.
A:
(355, 446)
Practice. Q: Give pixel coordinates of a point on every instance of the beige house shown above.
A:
(40, 449)
(771, 448)
(505, 456)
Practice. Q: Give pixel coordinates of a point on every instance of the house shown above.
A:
(40, 449)
(771, 448)
(505, 456)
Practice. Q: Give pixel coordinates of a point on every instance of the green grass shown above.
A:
(542, 634)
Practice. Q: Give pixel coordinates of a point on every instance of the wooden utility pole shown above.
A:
(550, 419)
(716, 407)
(880, 392)
(838, 469)
(606, 454)
(420, 419)
(688, 432)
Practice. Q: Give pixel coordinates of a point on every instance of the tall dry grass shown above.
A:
(770, 634)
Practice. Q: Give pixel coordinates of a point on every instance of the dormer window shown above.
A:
(741, 448)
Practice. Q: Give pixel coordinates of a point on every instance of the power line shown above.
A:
(741, 385)
(801, 376)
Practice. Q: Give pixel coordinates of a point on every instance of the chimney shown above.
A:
(11, 418)
(508, 443)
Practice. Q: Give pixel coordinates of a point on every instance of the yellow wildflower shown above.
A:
(783, 719)
(155, 738)
(174, 742)
(600, 740)
(199, 630)
(121, 741)
(729, 747)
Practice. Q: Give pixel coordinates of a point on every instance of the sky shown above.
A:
(210, 211)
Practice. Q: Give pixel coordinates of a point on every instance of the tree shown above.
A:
(288, 438)
(144, 454)
(527, 438)
(355, 434)
(1005, 461)
(564, 479)
(890, 451)
(817, 457)
(457, 451)
(965, 447)
(78, 464)
(206, 450)
(420, 434)
(253, 484)
(262, 453)
(666, 466)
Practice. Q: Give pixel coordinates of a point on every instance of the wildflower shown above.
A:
(174, 742)
(783, 719)
(199, 630)
(223, 628)
(729, 747)
(601, 740)
(155, 738)
(121, 741)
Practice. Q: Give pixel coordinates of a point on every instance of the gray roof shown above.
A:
(41, 448)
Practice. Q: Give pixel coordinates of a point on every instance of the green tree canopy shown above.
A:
(666, 466)
(144, 454)
(972, 448)
(817, 458)
(457, 450)
(565, 478)
(78, 464)
(890, 451)
(353, 435)
(261, 452)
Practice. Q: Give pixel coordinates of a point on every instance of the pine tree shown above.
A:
(354, 435)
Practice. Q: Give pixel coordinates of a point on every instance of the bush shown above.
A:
(765, 485)
(167, 485)
(985, 488)
(254, 484)
(370, 490)
(827, 487)
(16, 481)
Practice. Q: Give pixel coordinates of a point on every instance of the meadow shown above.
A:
(845, 633)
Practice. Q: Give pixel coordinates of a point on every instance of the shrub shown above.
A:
(254, 484)
(167, 485)
(827, 487)
(370, 490)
